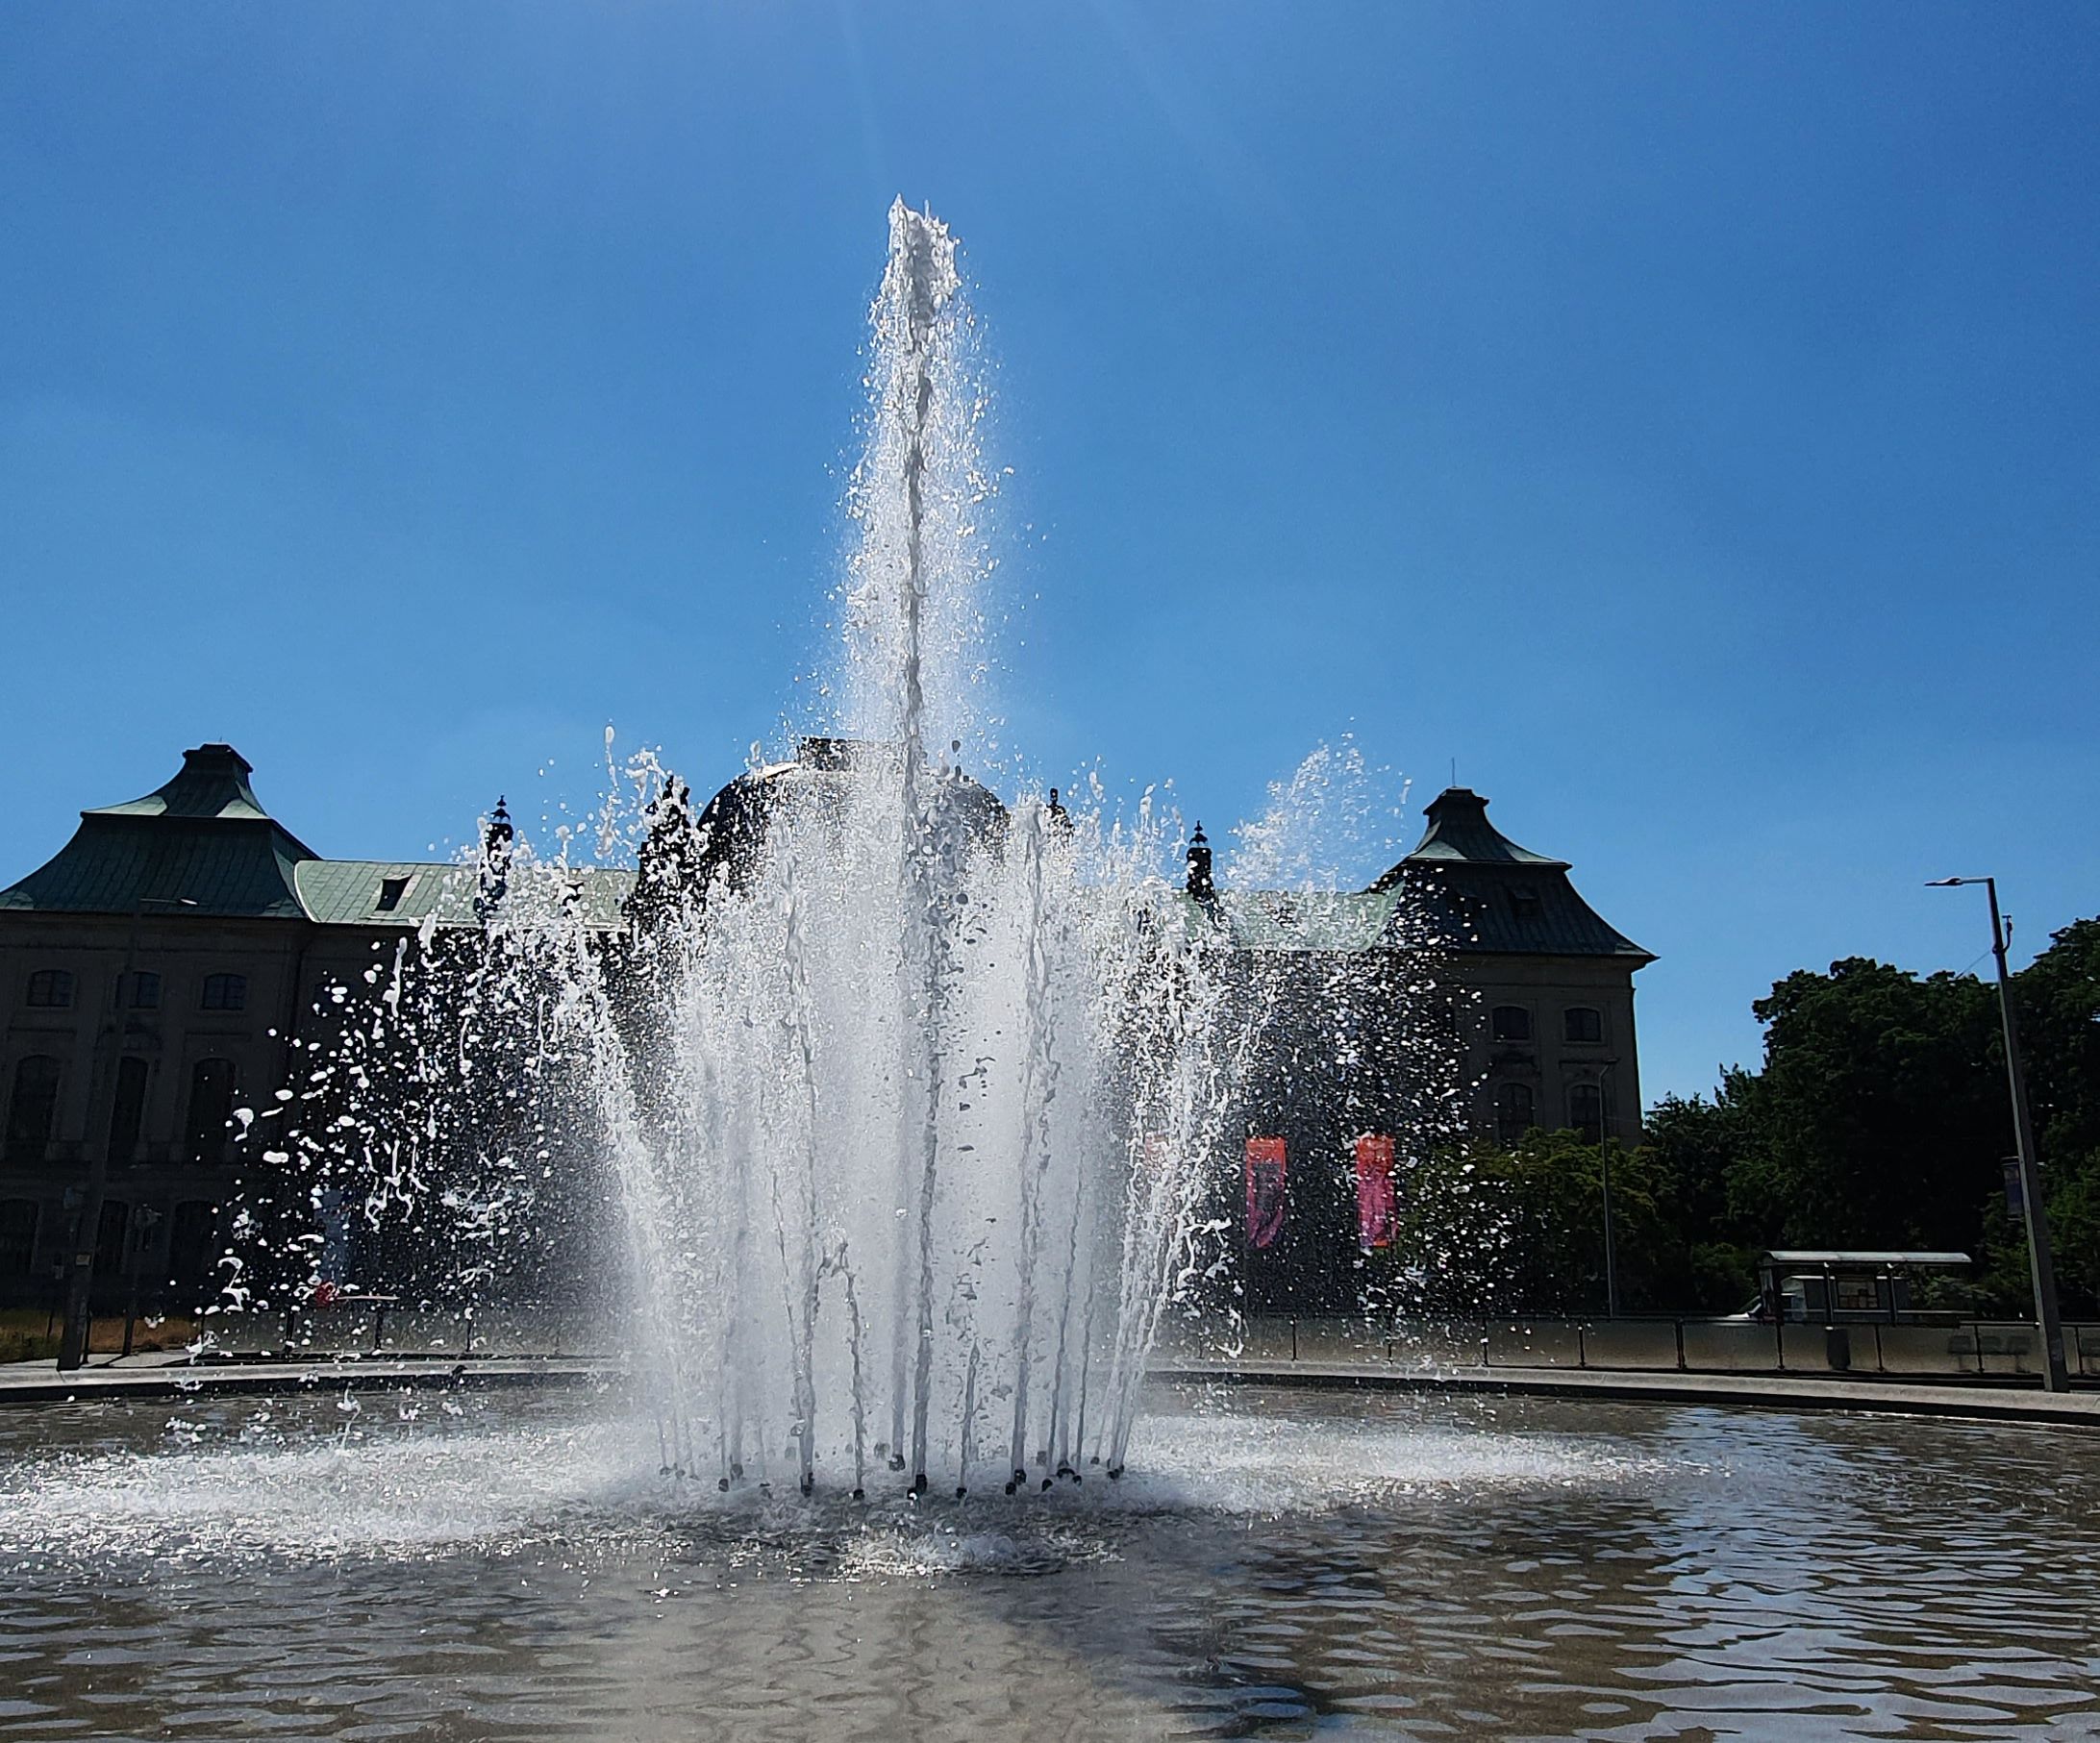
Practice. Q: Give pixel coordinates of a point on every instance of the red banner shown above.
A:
(1265, 1191)
(1374, 1201)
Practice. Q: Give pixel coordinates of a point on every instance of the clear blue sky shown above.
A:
(1684, 417)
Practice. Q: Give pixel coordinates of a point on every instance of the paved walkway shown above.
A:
(2001, 1401)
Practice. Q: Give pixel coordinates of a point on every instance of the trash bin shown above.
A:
(1837, 1350)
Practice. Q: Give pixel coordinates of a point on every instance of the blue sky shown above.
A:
(1683, 417)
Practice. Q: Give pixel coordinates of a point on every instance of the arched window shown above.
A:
(1513, 1116)
(110, 1243)
(211, 1107)
(128, 1112)
(17, 1235)
(193, 1240)
(1582, 1023)
(1510, 1023)
(33, 1107)
(225, 992)
(51, 988)
(1585, 1111)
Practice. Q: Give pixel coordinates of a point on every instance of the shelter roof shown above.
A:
(1839, 1259)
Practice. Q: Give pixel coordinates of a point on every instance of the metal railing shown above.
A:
(1950, 1348)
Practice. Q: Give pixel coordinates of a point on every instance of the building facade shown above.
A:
(1549, 1034)
(162, 974)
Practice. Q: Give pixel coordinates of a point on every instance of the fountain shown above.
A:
(904, 1098)
(902, 1107)
(942, 1078)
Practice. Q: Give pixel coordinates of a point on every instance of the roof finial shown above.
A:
(1200, 884)
(495, 861)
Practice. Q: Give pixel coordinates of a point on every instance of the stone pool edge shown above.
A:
(1994, 1402)
(39, 1384)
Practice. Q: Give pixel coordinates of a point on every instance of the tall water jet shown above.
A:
(946, 1056)
(903, 1100)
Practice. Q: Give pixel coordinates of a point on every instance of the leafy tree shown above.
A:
(1522, 1229)
(2057, 997)
(1877, 1121)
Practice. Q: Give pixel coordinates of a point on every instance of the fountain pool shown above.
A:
(906, 1107)
(445, 1565)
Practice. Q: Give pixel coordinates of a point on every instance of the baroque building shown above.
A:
(162, 973)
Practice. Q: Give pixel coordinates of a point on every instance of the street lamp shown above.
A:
(2054, 1375)
(1604, 1160)
(80, 1285)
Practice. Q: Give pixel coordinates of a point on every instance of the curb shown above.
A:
(1975, 1404)
(182, 1381)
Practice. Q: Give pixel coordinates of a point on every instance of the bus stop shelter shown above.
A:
(1836, 1285)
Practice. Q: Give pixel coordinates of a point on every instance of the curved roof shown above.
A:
(826, 770)
(1493, 895)
(1458, 831)
(201, 839)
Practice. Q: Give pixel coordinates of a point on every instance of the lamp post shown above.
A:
(80, 1284)
(2054, 1375)
(1604, 1159)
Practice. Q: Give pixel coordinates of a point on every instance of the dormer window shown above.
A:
(391, 892)
(1524, 902)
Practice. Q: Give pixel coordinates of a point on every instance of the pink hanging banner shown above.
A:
(1374, 1202)
(1265, 1190)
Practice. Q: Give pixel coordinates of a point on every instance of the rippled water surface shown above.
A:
(1284, 1563)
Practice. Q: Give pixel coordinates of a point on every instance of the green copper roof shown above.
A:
(1458, 831)
(1485, 893)
(350, 893)
(213, 783)
(202, 842)
(1295, 921)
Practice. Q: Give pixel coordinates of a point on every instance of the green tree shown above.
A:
(2057, 997)
(1879, 1119)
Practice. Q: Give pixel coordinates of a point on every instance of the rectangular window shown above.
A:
(225, 992)
(32, 1107)
(1857, 1295)
(1514, 1114)
(1582, 1023)
(17, 1235)
(127, 1110)
(145, 989)
(51, 989)
(1510, 1023)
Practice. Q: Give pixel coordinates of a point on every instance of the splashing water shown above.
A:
(940, 1077)
(903, 1098)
